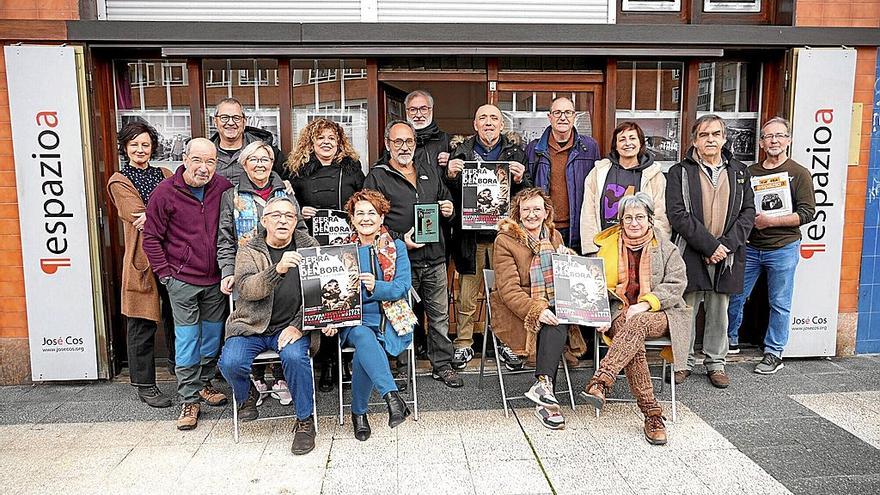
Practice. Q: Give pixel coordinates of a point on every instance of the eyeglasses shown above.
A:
(778, 136)
(224, 118)
(198, 161)
(524, 212)
(418, 110)
(398, 143)
(276, 216)
(559, 113)
(259, 160)
(628, 219)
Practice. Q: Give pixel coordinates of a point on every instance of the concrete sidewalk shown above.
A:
(814, 427)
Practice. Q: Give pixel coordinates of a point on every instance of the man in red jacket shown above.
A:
(180, 238)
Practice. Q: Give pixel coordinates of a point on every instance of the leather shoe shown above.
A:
(326, 382)
(152, 396)
(397, 408)
(361, 426)
(681, 375)
(719, 379)
(595, 392)
(655, 430)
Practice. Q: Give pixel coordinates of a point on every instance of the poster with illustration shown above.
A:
(331, 286)
(485, 194)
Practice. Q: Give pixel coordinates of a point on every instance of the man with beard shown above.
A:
(774, 246)
(406, 182)
(233, 134)
(430, 140)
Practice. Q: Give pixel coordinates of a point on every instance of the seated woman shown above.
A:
(387, 317)
(523, 300)
(646, 303)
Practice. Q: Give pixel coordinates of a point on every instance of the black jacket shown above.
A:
(327, 187)
(403, 196)
(227, 160)
(464, 250)
(690, 234)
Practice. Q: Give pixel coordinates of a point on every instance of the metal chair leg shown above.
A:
(500, 377)
(314, 393)
(339, 381)
(234, 417)
(486, 331)
(412, 375)
(568, 380)
(662, 377)
(672, 388)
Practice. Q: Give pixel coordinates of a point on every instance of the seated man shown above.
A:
(268, 316)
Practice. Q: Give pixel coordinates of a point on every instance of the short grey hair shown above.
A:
(393, 123)
(705, 119)
(228, 100)
(252, 148)
(640, 198)
(279, 199)
(777, 120)
(419, 92)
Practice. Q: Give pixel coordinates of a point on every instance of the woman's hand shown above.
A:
(564, 250)
(369, 281)
(548, 318)
(636, 309)
(139, 221)
(329, 331)
(288, 335)
(309, 212)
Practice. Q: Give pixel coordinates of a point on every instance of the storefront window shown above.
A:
(732, 90)
(649, 93)
(254, 82)
(335, 90)
(155, 92)
(525, 112)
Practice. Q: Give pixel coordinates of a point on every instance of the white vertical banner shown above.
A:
(821, 119)
(48, 148)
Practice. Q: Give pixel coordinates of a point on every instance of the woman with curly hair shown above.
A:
(325, 173)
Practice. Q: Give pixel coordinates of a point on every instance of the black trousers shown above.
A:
(141, 343)
(551, 344)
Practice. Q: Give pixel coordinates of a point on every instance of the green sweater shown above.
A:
(803, 204)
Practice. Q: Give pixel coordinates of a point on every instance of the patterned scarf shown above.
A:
(541, 268)
(244, 210)
(625, 243)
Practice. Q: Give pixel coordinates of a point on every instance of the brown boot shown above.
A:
(189, 416)
(595, 392)
(212, 396)
(655, 429)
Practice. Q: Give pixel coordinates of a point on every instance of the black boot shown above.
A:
(346, 372)
(328, 379)
(361, 426)
(397, 409)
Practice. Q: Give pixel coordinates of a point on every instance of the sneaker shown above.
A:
(733, 349)
(189, 416)
(281, 393)
(551, 417)
(262, 389)
(449, 377)
(247, 411)
(212, 396)
(462, 357)
(509, 358)
(719, 379)
(541, 392)
(303, 436)
(153, 397)
(769, 365)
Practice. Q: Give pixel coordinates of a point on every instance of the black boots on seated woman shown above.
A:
(361, 426)
(397, 409)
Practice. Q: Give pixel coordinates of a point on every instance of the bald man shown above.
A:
(180, 242)
(473, 249)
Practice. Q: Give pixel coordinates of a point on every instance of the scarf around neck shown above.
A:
(625, 243)
(541, 267)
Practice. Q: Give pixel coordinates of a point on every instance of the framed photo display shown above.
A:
(650, 5)
(731, 5)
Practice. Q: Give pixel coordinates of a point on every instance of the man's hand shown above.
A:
(719, 255)
(442, 158)
(407, 239)
(369, 281)
(517, 169)
(290, 259)
(308, 212)
(226, 284)
(548, 318)
(329, 331)
(636, 309)
(446, 208)
(140, 220)
(288, 335)
(454, 167)
(763, 221)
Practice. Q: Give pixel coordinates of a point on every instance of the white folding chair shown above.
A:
(488, 286)
(650, 345)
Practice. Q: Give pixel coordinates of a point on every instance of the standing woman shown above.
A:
(129, 190)
(324, 172)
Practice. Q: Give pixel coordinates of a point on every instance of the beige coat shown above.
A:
(514, 311)
(653, 183)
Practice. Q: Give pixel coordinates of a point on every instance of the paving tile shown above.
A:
(150, 468)
(277, 456)
(730, 471)
(436, 479)
(249, 432)
(836, 485)
(165, 433)
(793, 462)
(572, 444)
(359, 479)
(94, 462)
(121, 434)
(492, 447)
(421, 449)
(374, 452)
(668, 473)
(509, 477)
(13, 393)
(26, 412)
(848, 413)
(574, 478)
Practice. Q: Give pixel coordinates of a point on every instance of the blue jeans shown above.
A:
(780, 266)
(369, 367)
(238, 357)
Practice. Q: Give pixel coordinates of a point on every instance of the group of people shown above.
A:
(216, 242)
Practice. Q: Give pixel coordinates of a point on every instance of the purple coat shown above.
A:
(581, 158)
(180, 235)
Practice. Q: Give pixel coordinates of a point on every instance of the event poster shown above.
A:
(427, 227)
(485, 194)
(581, 293)
(331, 286)
(772, 194)
(330, 227)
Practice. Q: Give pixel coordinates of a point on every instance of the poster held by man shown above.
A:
(427, 227)
(331, 286)
(485, 194)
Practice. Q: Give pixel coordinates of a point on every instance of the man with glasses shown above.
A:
(774, 246)
(559, 162)
(430, 140)
(233, 134)
(473, 249)
(406, 182)
(710, 206)
(179, 241)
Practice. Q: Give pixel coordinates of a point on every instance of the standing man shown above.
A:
(430, 139)
(233, 134)
(559, 162)
(406, 182)
(180, 243)
(472, 247)
(710, 206)
(774, 246)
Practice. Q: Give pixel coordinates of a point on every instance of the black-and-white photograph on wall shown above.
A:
(732, 6)
(741, 139)
(651, 5)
